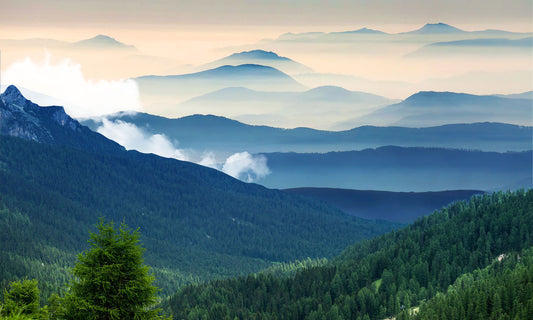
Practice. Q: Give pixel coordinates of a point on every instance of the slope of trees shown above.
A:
(504, 290)
(378, 278)
(197, 223)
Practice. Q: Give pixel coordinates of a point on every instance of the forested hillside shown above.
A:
(378, 278)
(197, 223)
(503, 290)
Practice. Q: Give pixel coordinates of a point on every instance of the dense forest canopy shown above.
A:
(379, 278)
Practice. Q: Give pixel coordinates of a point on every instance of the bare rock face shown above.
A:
(19, 117)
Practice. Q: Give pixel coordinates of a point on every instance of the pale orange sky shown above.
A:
(191, 33)
(113, 13)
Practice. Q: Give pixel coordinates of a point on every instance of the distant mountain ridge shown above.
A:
(392, 168)
(488, 42)
(486, 46)
(320, 107)
(97, 42)
(431, 108)
(233, 136)
(102, 42)
(428, 29)
(164, 93)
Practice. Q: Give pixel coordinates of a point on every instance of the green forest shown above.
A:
(197, 223)
(394, 273)
(218, 248)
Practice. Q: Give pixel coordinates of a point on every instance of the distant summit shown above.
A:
(257, 54)
(102, 42)
(243, 70)
(260, 57)
(436, 28)
(360, 31)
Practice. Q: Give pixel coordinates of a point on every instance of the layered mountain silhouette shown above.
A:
(260, 57)
(428, 32)
(321, 107)
(429, 108)
(401, 169)
(524, 95)
(233, 136)
(478, 47)
(167, 91)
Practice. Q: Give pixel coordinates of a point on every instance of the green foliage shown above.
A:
(22, 301)
(504, 290)
(198, 224)
(111, 281)
(379, 278)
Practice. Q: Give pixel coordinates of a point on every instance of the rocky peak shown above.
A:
(19, 117)
(12, 96)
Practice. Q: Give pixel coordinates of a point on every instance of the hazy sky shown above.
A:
(509, 14)
(174, 37)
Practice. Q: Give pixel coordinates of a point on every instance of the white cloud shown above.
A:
(246, 167)
(65, 81)
(133, 138)
(242, 165)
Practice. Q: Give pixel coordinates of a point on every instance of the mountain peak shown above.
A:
(12, 95)
(102, 41)
(257, 54)
(364, 30)
(435, 28)
(19, 117)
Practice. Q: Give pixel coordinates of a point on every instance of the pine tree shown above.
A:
(22, 301)
(111, 281)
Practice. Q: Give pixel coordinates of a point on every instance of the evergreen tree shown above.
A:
(22, 301)
(111, 281)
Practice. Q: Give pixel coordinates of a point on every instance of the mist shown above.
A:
(240, 165)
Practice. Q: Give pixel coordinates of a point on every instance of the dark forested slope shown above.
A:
(194, 220)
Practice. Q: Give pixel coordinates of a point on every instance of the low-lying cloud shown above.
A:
(132, 137)
(65, 81)
(242, 165)
(246, 167)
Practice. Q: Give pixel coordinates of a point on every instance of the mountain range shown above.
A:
(429, 108)
(164, 93)
(321, 106)
(479, 47)
(441, 30)
(393, 168)
(228, 136)
(197, 222)
(101, 42)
